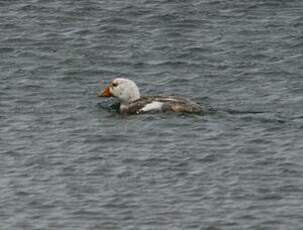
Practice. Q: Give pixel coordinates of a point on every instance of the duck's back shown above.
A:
(162, 103)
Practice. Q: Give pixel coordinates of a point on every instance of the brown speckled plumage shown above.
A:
(170, 103)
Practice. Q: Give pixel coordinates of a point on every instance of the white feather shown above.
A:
(155, 105)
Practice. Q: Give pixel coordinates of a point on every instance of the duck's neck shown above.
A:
(134, 95)
(128, 94)
(123, 107)
(131, 96)
(124, 104)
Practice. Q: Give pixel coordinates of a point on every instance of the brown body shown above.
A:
(170, 103)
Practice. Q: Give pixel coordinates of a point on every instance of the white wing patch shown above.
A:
(155, 105)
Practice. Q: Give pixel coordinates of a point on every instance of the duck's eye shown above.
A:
(114, 84)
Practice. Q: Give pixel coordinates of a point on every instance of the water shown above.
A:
(66, 163)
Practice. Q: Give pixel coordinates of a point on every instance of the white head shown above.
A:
(124, 89)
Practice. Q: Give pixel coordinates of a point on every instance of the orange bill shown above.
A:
(106, 92)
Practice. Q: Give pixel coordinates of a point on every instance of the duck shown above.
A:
(131, 102)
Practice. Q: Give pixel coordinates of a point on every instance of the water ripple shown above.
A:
(70, 161)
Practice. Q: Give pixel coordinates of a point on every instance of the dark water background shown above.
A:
(65, 163)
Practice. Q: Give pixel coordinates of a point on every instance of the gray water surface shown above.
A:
(66, 163)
